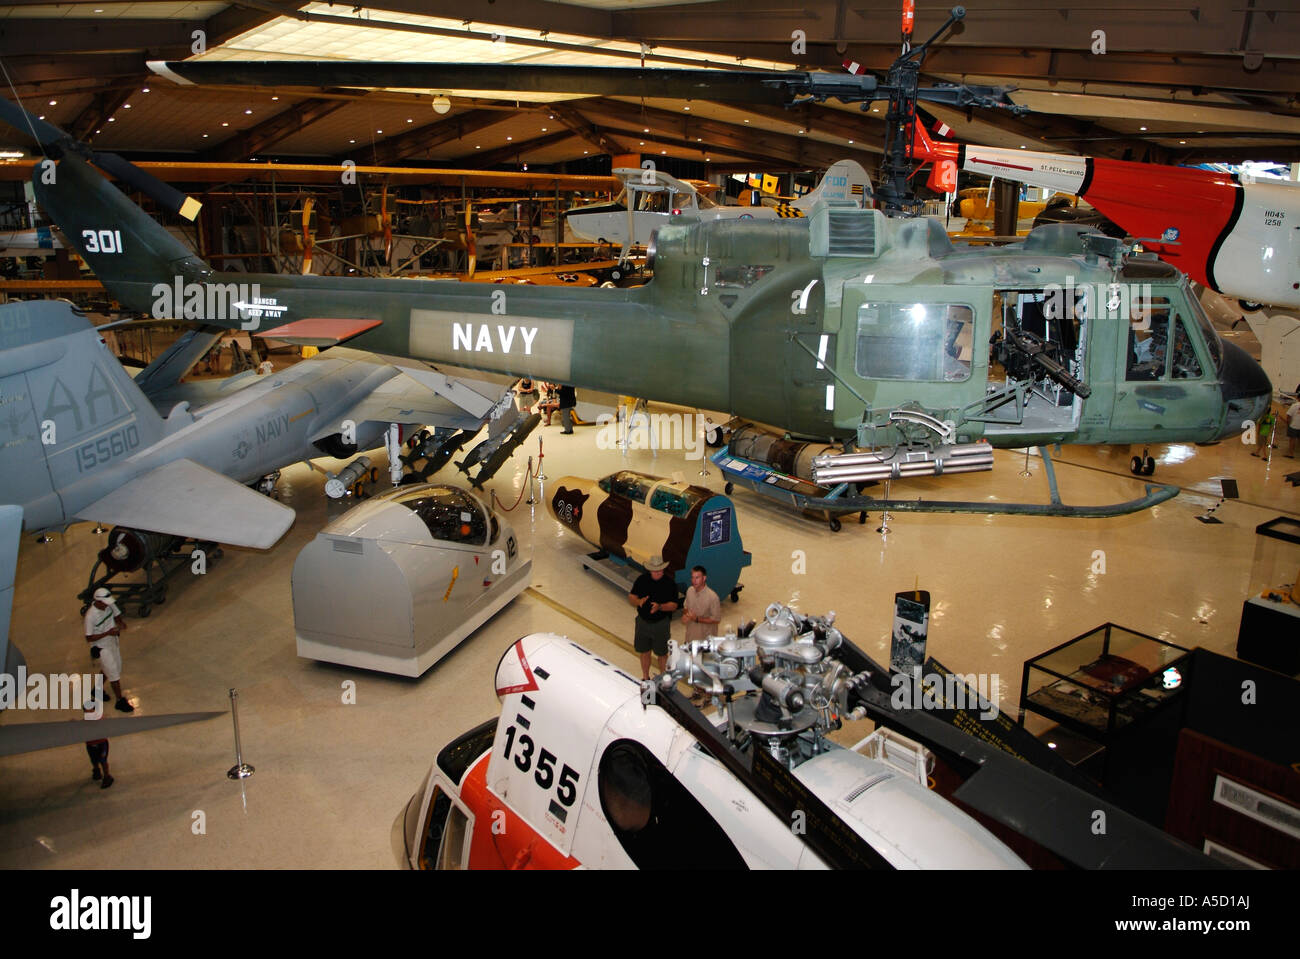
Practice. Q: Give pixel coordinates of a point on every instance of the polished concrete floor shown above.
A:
(332, 777)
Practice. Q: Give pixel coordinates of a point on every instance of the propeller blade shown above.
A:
(57, 142)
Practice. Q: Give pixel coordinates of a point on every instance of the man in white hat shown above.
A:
(655, 597)
(104, 624)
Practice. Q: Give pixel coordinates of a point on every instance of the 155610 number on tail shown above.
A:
(106, 448)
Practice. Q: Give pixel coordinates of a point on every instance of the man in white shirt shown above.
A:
(703, 611)
(104, 624)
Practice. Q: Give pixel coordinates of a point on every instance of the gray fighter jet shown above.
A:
(79, 440)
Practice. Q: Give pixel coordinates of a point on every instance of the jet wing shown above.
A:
(404, 400)
(28, 737)
(186, 499)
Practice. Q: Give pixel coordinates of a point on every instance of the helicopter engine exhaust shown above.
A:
(832, 468)
(792, 457)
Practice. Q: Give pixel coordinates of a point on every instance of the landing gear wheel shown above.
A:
(1148, 466)
(835, 524)
(728, 488)
(735, 594)
(1135, 466)
(374, 474)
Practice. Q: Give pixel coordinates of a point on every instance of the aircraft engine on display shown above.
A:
(396, 583)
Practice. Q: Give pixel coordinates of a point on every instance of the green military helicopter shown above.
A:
(873, 333)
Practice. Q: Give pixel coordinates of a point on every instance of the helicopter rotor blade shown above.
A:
(748, 86)
(56, 142)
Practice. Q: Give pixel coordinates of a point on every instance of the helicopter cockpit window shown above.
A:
(657, 821)
(451, 515)
(1148, 340)
(741, 276)
(915, 341)
(1208, 333)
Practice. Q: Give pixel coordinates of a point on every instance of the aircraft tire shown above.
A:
(1148, 466)
(1135, 466)
(835, 524)
(735, 594)
(728, 489)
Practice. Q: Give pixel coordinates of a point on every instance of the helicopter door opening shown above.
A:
(1034, 332)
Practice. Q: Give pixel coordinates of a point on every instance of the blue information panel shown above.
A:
(715, 530)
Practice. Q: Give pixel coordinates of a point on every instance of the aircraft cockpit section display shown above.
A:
(420, 567)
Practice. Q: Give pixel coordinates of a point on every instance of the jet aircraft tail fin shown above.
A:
(845, 180)
(72, 410)
(129, 251)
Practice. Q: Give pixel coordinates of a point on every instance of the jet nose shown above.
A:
(1246, 390)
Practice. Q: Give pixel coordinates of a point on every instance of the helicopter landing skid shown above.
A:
(807, 496)
(1155, 494)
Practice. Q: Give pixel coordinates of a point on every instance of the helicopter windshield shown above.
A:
(1212, 342)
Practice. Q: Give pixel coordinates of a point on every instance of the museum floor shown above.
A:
(331, 777)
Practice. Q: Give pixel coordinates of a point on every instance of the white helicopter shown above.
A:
(650, 196)
(586, 767)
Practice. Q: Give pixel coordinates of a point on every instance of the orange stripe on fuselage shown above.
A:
(515, 845)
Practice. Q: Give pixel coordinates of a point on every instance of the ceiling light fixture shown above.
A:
(509, 138)
(54, 103)
(126, 106)
(1142, 129)
(144, 89)
(275, 98)
(248, 113)
(224, 123)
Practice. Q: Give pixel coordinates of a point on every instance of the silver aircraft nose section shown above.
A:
(1246, 390)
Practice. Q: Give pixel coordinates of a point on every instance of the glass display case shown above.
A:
(1104, 680)
(1269, 634)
